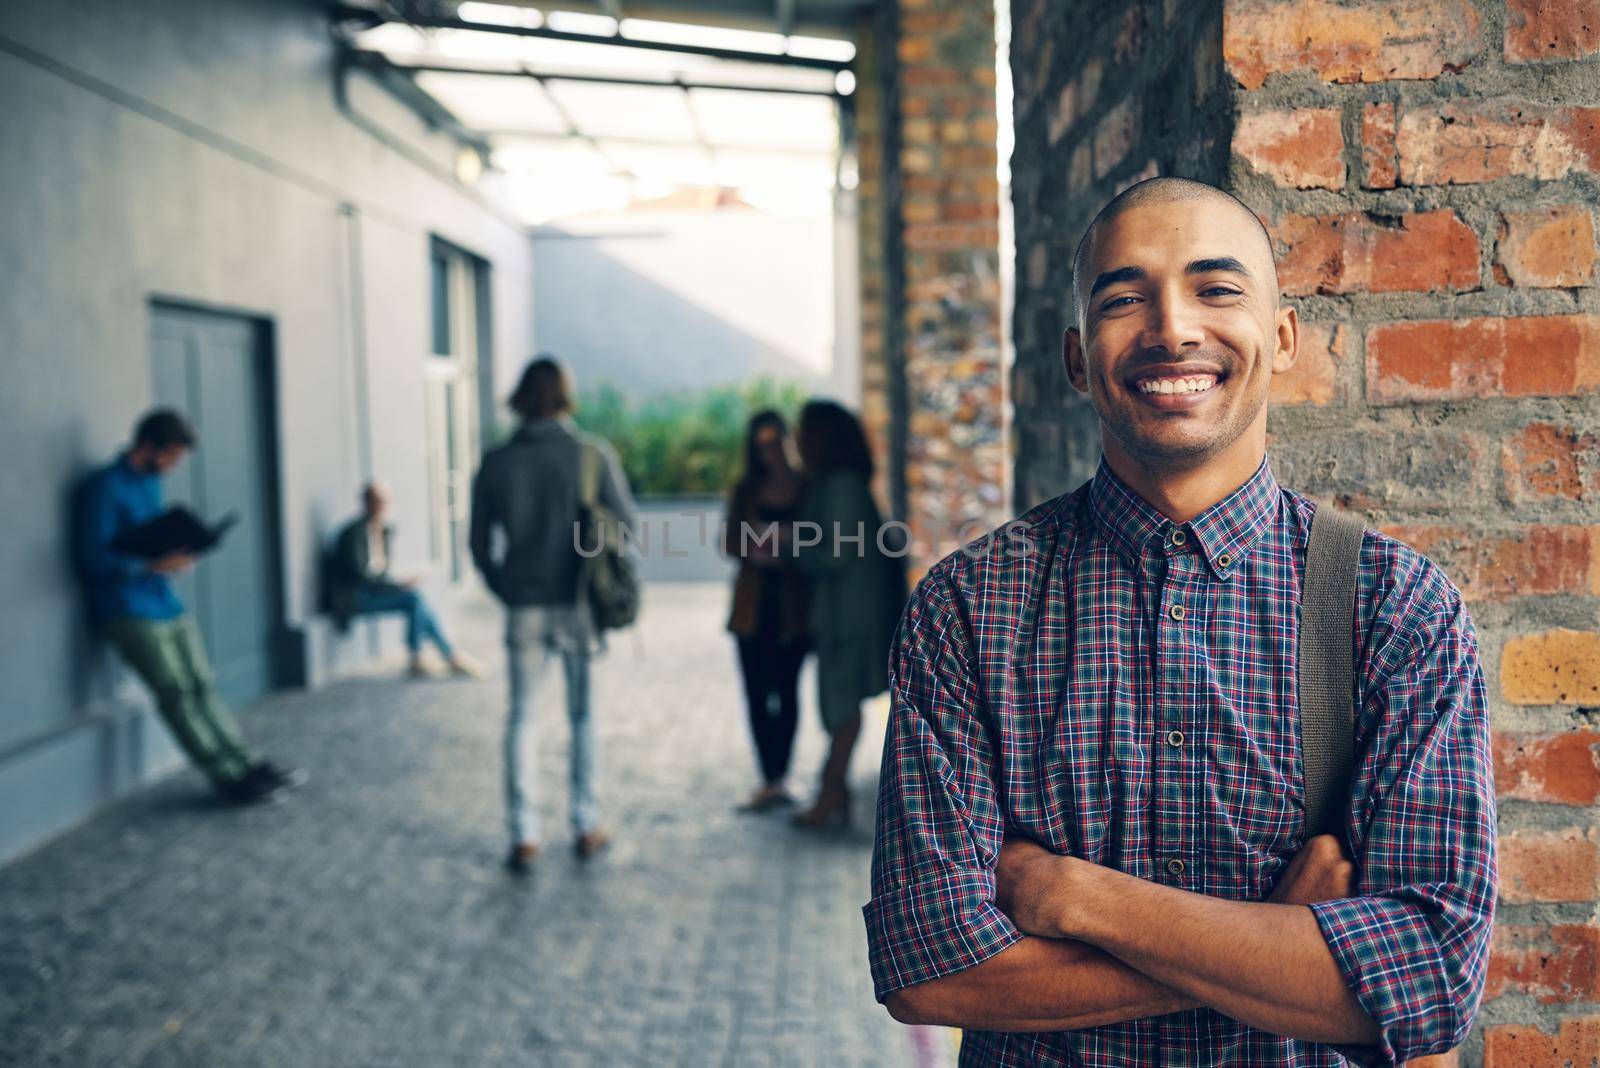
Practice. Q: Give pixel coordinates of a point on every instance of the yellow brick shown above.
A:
(1438, 1060)
(1594, 561)
(1556, 667)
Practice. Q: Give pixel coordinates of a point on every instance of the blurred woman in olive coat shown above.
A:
(857, 589)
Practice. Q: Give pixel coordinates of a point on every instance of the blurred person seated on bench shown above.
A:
(360, 585)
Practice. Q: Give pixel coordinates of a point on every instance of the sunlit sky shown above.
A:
(573, 147)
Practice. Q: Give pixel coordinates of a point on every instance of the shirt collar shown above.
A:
(546, 424)
(1127, 519)
(125, 464)
(1224, 533)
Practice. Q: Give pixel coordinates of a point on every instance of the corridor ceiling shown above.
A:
(581, 123)
(776, 16)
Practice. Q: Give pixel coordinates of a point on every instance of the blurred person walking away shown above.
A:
(361, 585)
(857, 590)
(525, 515)
(768, 617)
(133, 605)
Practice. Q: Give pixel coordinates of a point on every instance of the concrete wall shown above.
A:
(196, 151)
(681, 541)
(656, 303)
(1429, 173)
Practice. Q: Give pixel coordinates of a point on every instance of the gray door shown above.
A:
(216, 369)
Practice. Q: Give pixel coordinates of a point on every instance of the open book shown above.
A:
(177, 530)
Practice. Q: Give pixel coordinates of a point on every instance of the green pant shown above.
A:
(168, 656)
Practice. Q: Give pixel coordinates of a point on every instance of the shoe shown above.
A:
(831, 809)
(252, 789)
(766, 799)
(463, 666)
(418, 670)
(520, 860)
(591, 842)
(282, 778)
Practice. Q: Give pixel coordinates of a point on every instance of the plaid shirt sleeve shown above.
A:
(1413, 945)
(939, 825)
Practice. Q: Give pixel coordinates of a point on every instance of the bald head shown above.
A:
(375, 499)
(1153, 191)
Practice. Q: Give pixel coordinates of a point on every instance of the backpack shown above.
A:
(608, 580)
(1326, 659)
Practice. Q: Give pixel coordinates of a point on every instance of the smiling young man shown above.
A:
(1091, 843)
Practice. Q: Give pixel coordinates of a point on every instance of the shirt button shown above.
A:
(1224, 560)
(1175, 739)
(1179, 537)
(1175, 866)
(1176, 611)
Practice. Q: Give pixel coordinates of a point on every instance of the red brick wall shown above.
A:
(1428, 170)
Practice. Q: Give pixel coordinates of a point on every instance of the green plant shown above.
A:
(683, 443)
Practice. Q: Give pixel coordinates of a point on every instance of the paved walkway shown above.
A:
(367, 922)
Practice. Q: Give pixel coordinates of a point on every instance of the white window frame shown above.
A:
(452, 418)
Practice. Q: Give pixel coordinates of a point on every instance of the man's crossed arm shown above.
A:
(1109, 947)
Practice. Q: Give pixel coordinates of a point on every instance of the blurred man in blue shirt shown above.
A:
(132, 603)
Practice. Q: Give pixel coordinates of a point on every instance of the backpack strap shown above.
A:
(589, 476)
(1326, 667)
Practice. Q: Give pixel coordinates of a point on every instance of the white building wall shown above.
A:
(195, 151)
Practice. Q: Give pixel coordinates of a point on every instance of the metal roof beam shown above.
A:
(378, 59)
(496, 136)
(439, 22)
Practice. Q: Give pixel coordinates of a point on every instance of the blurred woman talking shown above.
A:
(768, 618)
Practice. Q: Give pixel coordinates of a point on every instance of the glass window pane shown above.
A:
(441, 305)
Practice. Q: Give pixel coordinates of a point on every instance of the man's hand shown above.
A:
(171, 563)
(1319, 872)
(1028, 886)
(1264, 963)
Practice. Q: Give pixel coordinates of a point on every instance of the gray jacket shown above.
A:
(525, 509)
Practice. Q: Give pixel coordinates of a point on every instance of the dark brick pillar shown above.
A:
(1106, 94)
(955, 451)
(932, 381)
(882, 258)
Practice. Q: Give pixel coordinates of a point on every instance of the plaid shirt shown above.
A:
(1036, 693)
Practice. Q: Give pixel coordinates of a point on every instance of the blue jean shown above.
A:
(535, 637)
(420, 622)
